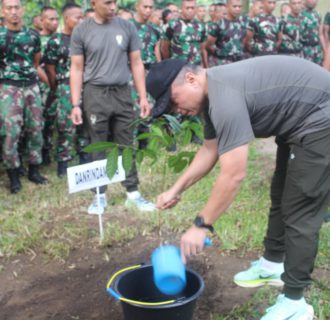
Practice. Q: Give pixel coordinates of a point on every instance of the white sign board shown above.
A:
(91, 175)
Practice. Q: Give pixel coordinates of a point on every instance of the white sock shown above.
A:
(133, 195)
(101, 195)
(269, 265)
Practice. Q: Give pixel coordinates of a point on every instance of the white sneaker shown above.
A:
(98, 207)
(135, 200)
(257, 276)
(288, 309)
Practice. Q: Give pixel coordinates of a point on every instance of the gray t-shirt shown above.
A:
(105, 48)
(266, 96)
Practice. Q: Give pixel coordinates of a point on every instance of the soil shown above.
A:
(75, 289)
(34, 288)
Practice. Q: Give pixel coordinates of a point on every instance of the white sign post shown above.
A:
(93, 175)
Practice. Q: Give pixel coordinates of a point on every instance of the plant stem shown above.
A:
(162, 190)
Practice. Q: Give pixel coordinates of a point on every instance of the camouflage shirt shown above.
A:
(149, 35)
(185, 39)
(209, 26)
(290, 28)
(57, 53)
(229, 35)
(17, 53)
(310, 27)
(245, 20)
(44, 40)
(265, 29)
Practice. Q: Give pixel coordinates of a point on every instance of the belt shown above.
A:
(105, 86)
(19, 83)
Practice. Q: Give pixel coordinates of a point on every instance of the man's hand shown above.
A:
(167, 199)
(76, 116)
(145, 108)
(192, 242)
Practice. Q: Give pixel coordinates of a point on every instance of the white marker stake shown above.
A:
(101, 210)
(93, 175)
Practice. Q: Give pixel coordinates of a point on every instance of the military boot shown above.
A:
(15, 183)
(61, 168)
(35, 176)
(46, 161)
(21, 169)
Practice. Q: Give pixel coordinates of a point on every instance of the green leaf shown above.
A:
(180, 165)
(168, 140)
(99, 146)
(187, 137)
(139, 156)
(127, 159)
(174, 123)
(157, 131)
(138, 121)
(197, 128)
(154, 144)
(112, 163)
(145, 135)
(185, 124)
(172, 161)
(151, 154)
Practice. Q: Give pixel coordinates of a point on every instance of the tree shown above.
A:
(33, 7)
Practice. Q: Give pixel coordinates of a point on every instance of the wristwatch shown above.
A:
(199, 223)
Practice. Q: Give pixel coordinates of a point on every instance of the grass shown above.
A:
(46, 219)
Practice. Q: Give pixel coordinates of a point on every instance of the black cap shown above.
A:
(159, 80)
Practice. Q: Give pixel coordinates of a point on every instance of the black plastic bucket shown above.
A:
(138, 285)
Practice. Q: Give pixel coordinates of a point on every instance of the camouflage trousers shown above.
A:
(69, 137)
(313, 53)
(20, 108)
(49, 113)
(63, 124)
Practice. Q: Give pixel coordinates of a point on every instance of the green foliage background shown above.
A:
(32, 7)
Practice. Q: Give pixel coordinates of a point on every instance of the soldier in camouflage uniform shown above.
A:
(19, 94)
(311, 33)
(256, 8)
(217, 12)
(49, 20)
(290, 26)
(263, 34)
(227, 35)
(58, 61)
(149, 35)
(183, 37)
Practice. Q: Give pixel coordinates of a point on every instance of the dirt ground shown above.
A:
(32, 288)
(76, 289)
